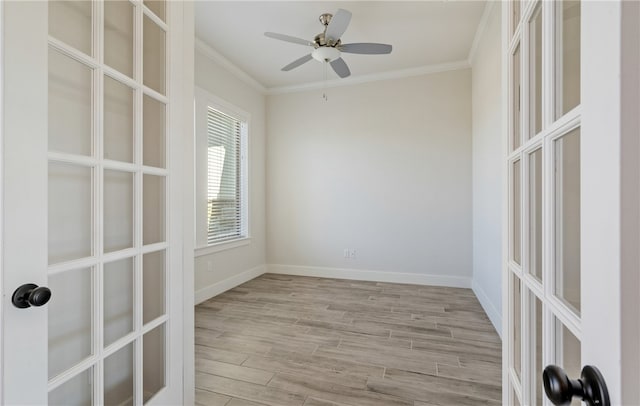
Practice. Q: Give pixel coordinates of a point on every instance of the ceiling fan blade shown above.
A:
(298, 62)
(338, 25)
(288, 38)
(340, 67)
(367, 48)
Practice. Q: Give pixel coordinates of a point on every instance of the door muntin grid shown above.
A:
(547, 187)
(107, 192)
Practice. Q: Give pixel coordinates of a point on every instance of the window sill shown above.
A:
(222, 246)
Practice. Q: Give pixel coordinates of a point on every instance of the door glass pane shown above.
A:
(516, 324)
(567, 218)
(536, 346)
(70, 319)
(535, 72)
(515, 14)
(69, 212)
(157, 6)
(119, 377)
(516, 220)
(517, 114)
(75, 392)
(153, 62)
(153, 209)
(118, 121)
(568, 52)
(118, 210)
(153, 285)
(535, 214)
(153, 132)
(153, 363)
(70, 22)
(118, 299)
(568, 353)
(69, 105)
(118, 36)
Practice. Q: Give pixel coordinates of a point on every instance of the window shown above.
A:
(224, 176)
(221, 175)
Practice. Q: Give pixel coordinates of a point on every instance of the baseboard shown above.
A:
(494, 315)
(210, 291)
(374, 276)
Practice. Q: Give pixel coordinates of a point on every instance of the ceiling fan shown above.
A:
(327, 45)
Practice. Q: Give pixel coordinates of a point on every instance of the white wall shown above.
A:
(488, 169)
(383, 168)
(221, 270)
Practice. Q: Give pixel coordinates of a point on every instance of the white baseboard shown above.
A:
(210, 291)
(494, 315)
(374, 276)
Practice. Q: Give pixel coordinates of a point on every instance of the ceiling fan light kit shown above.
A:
(327, 45)
(325, 54)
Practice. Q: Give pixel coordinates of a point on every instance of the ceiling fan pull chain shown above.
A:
(324, 91)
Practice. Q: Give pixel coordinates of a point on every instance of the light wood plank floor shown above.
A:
(290, 340)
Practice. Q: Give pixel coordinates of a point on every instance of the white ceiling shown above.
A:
(423, 34)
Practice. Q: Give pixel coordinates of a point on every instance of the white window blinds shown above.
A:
(224, 185)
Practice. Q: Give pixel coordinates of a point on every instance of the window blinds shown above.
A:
(224, 202)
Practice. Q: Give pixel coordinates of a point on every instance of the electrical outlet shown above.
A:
(349, 253)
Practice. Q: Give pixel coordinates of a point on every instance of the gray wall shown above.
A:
(488, 166)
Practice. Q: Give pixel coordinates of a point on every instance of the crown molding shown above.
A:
(354, 80)
(482, 26)
(215, 56)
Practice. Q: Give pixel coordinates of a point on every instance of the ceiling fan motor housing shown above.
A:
(320, 40)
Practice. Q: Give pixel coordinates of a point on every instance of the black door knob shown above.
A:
(29, 295)
(590, 388)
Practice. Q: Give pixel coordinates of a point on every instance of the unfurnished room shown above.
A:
(320, 203)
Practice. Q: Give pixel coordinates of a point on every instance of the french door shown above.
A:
(564, 262)
(91, 171)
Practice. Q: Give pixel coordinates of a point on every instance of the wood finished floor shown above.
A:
(291, 340)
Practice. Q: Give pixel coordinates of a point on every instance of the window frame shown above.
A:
(203, 101)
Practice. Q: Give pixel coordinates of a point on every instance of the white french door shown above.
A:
(564, 262)
(91, 202)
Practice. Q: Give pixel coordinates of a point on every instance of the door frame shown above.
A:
(1, 197)
(180, 122)
(186, 91)
(610, 108)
